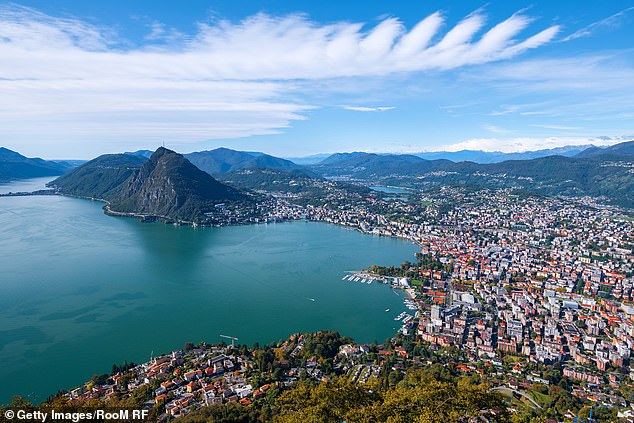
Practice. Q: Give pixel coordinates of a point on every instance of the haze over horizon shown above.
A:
(81, 79)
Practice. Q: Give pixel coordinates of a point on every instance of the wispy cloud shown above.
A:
(65, 79)
(160, 32)
(496, 129)
(367, 109)
(613, 21)
(557, 127)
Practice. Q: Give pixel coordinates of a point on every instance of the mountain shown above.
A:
(267, 180)
(70, 164)
(223, 160)
(479, 156)
(552, 175)
(624, 150)
(165, 185)
(98, 177)
(141, 153)
(606, 172)
(360, 165)
(169, 185)
(16, 166)
(296, 186)
(308, 160)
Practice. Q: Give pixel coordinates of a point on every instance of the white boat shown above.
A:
(344, 278)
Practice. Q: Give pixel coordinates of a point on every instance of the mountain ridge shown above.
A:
(14, 165)
(165, 185)
(169, 185)
(224, 160)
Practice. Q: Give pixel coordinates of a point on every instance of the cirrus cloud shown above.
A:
(65, 79)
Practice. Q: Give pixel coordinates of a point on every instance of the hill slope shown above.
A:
(224, 160)
(359, 165)
(624, 150)
(16, 166)
(607, 172)
(98, 177)
(169, 185)
(483, 157)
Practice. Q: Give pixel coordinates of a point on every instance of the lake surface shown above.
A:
(390, 190)
(25, 185)
(80, 290)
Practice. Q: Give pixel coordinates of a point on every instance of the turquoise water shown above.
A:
(25, 185)
(390, 190)
(80, 290)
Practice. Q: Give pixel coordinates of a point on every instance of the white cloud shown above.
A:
(496, 129)
(613, 21)
(160, 32)
(368, 109)
(521, 144)
(65, 79)
(558, 127)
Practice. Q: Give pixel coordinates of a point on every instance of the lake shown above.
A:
(25, 185)
(390, 190)
(80, 290)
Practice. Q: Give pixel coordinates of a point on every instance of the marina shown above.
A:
(397, 284)
(201, 281)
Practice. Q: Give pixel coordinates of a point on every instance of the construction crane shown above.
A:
(229, 337)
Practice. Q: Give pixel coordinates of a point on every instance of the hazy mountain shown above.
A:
(360, 165)
(70, 164)
(479, 156)
(624, 150)
(223, 160)
(16, 166)
(98, 177)
(308, 160)
(142, 153)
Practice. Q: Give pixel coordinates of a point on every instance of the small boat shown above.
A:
(310, 299)
(387, 309)
(344, 278)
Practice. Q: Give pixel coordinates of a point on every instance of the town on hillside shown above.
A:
(530, 295)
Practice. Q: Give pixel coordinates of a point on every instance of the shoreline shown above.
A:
(150, 217)
(407, 252)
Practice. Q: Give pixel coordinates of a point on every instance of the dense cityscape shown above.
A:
(291, 212)
(530, 294)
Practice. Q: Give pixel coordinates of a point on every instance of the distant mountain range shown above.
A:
(477, 156)
(361, 166)
(16, 166)
(223, 160)
(607, 172)
(484, 157)
(593, 171)
(166, 185)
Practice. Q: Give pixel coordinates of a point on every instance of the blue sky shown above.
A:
(289, 78)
